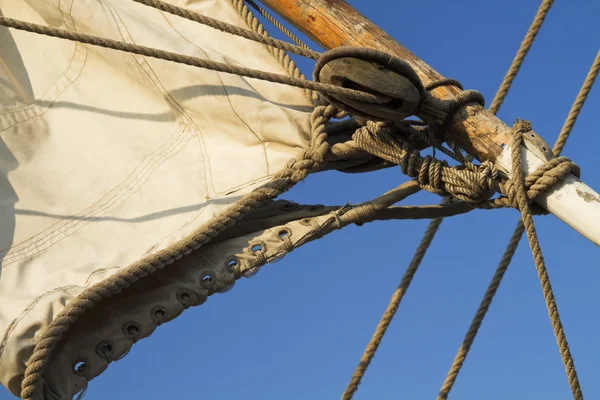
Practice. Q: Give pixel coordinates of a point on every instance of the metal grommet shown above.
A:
(79, 366)
(185, 297)
(284, 233)
(132, 330)
(232, 263)
(258, 247)
(207, 281)
(159, 315)
(104, 350)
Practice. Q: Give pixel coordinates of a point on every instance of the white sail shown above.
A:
(106, 157)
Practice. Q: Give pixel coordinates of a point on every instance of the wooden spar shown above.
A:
(333, 23)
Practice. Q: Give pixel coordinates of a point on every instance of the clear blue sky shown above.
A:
(297, 329)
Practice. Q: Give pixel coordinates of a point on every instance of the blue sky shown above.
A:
(297, 329)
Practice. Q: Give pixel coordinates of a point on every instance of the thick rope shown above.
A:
(577, 105)
(514, 240)
(280, 55)
(229, 28)
(296, 170)
(540, 264)
(311, 159)
(278, 25)
(187, 60)
(434, 224)
(462, 184)
(391, 309)
(515, 66)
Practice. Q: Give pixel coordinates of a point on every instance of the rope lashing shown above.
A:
(474, 184)
(470, 183)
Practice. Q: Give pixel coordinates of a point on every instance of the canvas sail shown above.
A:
(106, 157)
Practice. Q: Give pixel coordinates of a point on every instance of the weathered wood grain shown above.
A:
(332, 23)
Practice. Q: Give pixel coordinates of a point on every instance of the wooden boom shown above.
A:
(333, 23)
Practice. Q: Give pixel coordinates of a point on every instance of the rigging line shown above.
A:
(229, 28)
(390, 311)
(187, 60)
(278, 25)
(513, 242)
(577, 105)
(516, 236)
(540, 265)
(282, 57)
(433, 227)
(515, 66)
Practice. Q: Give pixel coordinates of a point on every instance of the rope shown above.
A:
(229, 28)
(514, 240)
(391, 309)
(577, 105)
(515, 66)
(278, 25)
(540, 264)
(434, 225)
(281, 56)
(187, 60)
(469, 183)
(311, 159)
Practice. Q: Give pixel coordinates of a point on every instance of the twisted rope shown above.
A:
(514, 241)
(309, 160)
(577, 105)
(187, 60)
(471, 184)
(278, 25)
(433, 227)
(229, 28)
(515, 66)
(281, 56)
(540, 264)
(391, 309)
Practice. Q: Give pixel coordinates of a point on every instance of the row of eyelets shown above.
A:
(132, 330)
(158, 315)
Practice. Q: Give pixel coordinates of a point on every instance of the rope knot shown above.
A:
(472, 183)
(429, 174)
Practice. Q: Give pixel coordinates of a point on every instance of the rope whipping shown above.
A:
(432, 229)
(513, 244)
(469, 183)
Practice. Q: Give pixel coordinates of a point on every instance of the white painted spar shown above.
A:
(571, 200)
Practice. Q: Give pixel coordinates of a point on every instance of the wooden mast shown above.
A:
(333, 23)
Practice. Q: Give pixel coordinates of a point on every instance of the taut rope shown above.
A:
(470, 184)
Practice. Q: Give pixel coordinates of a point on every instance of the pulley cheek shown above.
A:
(391, 79)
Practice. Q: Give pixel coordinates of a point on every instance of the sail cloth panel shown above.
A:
(106, 157)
